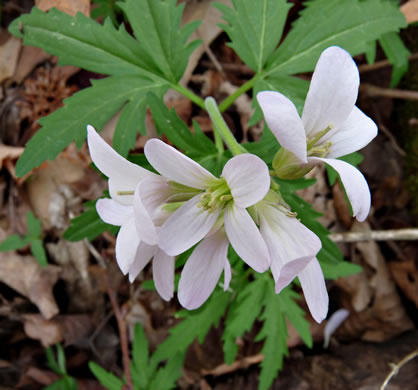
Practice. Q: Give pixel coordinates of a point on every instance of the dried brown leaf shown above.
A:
(30, 58)
(405, 274)
(410, 10)
(69, 329)
(9, 53)
(69, 6)
(27, 277)
(9, 152)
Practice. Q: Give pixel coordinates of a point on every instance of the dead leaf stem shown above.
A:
(410, 234)
(397, 366)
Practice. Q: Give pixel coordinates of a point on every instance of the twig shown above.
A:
(376, 235)
(396, 367)
(122, 332)
(223, 369)
(95, 253)
(373, 90)
(382, 64)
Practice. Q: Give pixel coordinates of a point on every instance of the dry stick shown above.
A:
(376, 235)
(118, 314)
(373, 90)
(382, 64)
(396, 367)
(122, 332)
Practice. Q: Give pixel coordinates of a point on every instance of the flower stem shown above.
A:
(241, 90)
(194, 98)
(221, 127)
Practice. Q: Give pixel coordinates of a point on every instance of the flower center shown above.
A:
(216, 195)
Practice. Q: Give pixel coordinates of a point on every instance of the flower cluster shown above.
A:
(163, 215)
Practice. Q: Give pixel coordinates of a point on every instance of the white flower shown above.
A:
(136, 243)
(331, 125)
(293, 248)
(215, 214)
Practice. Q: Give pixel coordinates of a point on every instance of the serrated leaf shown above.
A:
(295, 314)
(397, 54)
(168, 123)
(104, 9)
(107, 379)
(244, 310)
(13, 242)
(94, 106)
(87, 225)
(61, 358)
(274, 334)
(140, 357)
(51, 360)
(82, 42)
(34, 225)
(38, 251)
(195, 324)
(166, 377)
(350, 24)
(156, 24)
(255, 28)
(340, 270)
(371, 52)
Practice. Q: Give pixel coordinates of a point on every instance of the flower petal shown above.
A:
(248, 179)
(203, 270)
(163, 274)
(333, 324)
(123, 175)
(186, 227)
(355, 133)
(143, 255)
(333, 91)
(174, 165)
(127, 243)
(143, 222)
(284, 121)
(291, 244)
(315, 291)
(245, 238)
(355, 186)
(227, 274)
(113, 212)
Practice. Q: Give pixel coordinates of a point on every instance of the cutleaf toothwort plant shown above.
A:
(204, 213)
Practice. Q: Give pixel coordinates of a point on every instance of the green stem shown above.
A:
(194, 98)
(219, 142)
(241, 90)
(221, 127)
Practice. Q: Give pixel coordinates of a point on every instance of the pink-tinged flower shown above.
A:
(216, 214)
(136, 243)
(293, 248)
(331, 126)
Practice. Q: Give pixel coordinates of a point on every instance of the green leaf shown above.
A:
(61, 358)
(371, 52)
(397, 54)
(195, 324)
(346, 23)
(34, 225)
(104, 9)
(82, 42)
(266, 148)
(295, 314)
(156, 24)
(274, 334)
(51, 361)
(255, 28)
(244, 310)
(94, 105)
(340, 270)
(354, 159)
(38, 251)
(107, 379)
(168, 123)
(13, 242)
(166, 377)
(140, 358)
(61, 384)
(87, 225)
